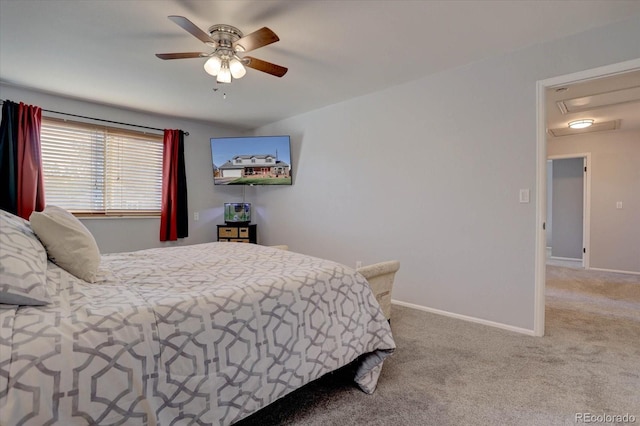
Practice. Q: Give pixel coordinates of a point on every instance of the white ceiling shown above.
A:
(104, 51)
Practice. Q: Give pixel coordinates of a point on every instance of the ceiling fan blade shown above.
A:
(264, 66)
(184, 55)
(191, 28)
(256, 39)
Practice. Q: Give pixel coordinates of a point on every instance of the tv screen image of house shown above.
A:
(251, 160)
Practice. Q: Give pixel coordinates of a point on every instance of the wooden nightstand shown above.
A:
(238, 233)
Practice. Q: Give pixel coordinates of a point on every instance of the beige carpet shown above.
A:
(451, 372)
(600, 293)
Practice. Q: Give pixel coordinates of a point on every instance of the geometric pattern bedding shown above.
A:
(201, 334)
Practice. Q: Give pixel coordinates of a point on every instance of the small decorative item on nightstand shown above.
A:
(237, 213)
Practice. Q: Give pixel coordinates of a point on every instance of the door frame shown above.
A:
(586, 201)
(541, 173)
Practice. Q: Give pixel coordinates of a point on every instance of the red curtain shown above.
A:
(21, 159)
(174, 216)
(30, 178)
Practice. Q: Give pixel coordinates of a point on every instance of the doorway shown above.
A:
(568, 209)
(541, 174)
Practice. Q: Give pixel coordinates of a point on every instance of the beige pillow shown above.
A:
(68, 242)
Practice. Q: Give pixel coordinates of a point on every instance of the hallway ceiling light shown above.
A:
(581, 124)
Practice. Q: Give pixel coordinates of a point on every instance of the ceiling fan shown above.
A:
(227, 42)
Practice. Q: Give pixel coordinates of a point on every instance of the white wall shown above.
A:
(429, 173)
(116, 235)
(615, 176)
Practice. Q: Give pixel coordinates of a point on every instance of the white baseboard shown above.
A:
(465, 318)
(615, 270)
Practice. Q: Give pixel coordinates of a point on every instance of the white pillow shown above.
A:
(69, 243)
(23, 263)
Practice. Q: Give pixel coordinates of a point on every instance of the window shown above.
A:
(91, 169)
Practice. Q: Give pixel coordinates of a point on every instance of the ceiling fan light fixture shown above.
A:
(236, 68)
(581, 124)
(213, 65)
(226, 40)
(224, 76)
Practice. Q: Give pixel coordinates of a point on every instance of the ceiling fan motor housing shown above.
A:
(225, 35)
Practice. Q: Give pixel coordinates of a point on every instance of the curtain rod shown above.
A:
(103, 120)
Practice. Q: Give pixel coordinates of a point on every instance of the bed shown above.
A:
(201, 334)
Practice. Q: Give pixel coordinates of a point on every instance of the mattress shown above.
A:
(200, 334)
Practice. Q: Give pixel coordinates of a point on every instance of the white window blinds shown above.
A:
(101, 170)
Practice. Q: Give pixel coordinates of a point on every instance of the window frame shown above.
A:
(110, 136)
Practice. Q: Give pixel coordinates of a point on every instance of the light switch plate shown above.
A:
(524, 195)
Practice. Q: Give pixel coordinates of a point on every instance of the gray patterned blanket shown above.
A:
(202, 334)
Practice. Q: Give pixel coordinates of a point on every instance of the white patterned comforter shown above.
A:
(203, 334)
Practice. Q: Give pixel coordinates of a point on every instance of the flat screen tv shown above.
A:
(251, 160)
